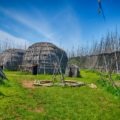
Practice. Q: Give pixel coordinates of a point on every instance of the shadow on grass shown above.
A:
(2, 82)
(1, 94)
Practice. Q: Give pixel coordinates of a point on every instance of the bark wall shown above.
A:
(46, 56)
(11, 59)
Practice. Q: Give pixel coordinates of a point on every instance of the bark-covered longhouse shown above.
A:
(46, 56)
(102, 61)
(10, 59)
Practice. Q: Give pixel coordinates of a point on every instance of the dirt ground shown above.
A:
(28, 84)
(117, 83)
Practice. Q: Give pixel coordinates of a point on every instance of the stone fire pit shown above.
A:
(48, 83)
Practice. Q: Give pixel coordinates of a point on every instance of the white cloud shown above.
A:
(38, 23)
(63, 29)
(9, 41)
(69, 25)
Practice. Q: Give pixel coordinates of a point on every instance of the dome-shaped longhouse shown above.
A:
(10, 59)
(45, 55)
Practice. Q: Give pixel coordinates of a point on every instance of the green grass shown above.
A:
(56, 103)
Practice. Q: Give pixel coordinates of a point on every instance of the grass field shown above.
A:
(56, 103)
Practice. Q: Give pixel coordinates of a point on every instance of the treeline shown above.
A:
(108, 43)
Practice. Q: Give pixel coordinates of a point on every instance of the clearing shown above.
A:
(20, 100)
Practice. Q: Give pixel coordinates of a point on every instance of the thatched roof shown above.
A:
(45, 55)
(10, 59)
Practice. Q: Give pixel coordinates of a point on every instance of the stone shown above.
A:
(92, 86)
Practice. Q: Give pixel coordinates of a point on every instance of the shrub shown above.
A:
(108, 86)
(117, 77)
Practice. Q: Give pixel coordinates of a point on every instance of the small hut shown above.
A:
(72, 71)
(44, 57)
(11, 59)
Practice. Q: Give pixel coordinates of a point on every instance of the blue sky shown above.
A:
(66, 23)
